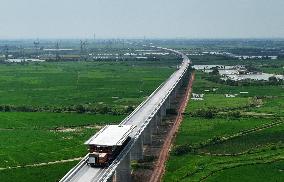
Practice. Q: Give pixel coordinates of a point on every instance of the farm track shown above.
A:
(57, 129)
(159, 168)
(246, 132)
(43, 164)
(256, 150)
(262, 159)
(240, 165)
(233, 163)
(253, 130)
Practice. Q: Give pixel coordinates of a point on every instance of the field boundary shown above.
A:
(159, 168)
(240, 165)
(43, 164)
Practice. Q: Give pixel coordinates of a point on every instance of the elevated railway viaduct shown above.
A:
(146, 117)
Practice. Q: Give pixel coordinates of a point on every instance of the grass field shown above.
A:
(40, 173)
(202, 84)
(69, 83)
(265, 172)
(29, 139)
(218, 101)
(247, 146)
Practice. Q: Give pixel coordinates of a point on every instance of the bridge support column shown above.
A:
(154, 124)
(137, 151)
(178, 85)
(175, 91)
(123, 170)
(173, 96)
(147, 140)
(163, 109)
(168, 102)
(159, 118)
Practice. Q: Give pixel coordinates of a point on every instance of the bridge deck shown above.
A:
(140, 118)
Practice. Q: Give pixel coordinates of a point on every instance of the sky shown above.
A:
(22, 19)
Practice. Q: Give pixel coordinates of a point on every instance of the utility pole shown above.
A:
(57, 51)
(83, 49)
(6, 49)
(36, 47)
(22, 52)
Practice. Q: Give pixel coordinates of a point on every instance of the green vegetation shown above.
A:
(265, 172)
(29, 138)
(48, 110)
(230, 139)
(46, 173)
(73, 83)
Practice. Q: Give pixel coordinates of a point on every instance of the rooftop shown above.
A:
(111, 135)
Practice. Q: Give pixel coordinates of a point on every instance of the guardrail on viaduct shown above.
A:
(146, 117)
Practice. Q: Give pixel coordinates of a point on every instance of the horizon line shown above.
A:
(145, 38)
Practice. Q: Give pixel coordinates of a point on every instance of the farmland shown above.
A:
(50, 109)
(71, 83)
(238, 139)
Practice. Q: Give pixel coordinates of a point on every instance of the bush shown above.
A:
(234, 114)
(205, 113)
(183, 149)
(80, 108)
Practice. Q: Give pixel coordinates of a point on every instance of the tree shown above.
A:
(273, 80)
(215, 71)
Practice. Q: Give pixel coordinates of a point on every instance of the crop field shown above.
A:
(45, 173)
(48, 110)
(71, 83)
(230, 139)
(31, 139)
(201, 84)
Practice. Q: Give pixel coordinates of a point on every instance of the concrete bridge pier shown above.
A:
(175, 91)
(185, 78)
(147, 136)
(137, 150)
(123, 170)
(159, 116)
(173, 96)
(164, 109)
(168, 101)
(154, 124)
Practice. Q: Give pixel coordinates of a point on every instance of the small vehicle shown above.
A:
(107, 144)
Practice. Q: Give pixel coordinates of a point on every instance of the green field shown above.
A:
(40, 173)
(30, 138)
(71, 83)
(241, 140)
(57, 127)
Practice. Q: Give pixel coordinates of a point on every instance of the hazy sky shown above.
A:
(136, 18)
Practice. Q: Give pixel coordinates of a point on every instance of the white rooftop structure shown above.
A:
(24, 60)
(111, 135)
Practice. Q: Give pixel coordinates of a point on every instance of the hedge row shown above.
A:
(99, 109)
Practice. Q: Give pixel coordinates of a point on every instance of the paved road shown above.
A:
(139, 117)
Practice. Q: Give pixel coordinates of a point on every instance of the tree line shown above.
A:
(80, 108)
